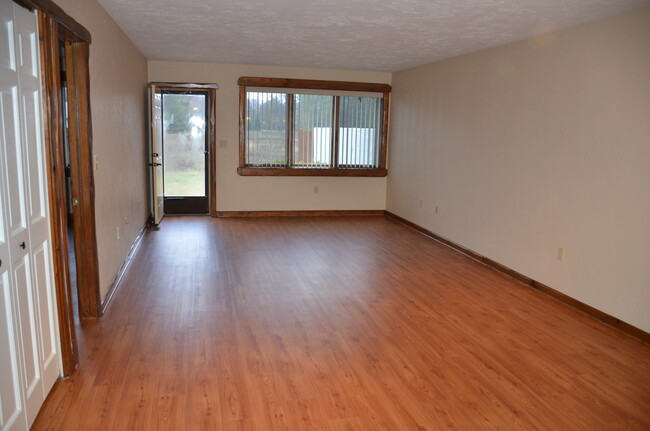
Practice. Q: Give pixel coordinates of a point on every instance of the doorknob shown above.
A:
(22, 245)
(154, 164)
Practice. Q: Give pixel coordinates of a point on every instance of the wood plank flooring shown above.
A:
(350, 323)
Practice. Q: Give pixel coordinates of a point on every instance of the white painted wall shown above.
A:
(118, 83)
(237, 193)
(536, 145)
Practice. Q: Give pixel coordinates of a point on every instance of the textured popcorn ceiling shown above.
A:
(388, 35)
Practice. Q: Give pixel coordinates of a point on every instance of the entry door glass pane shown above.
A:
(184, 144)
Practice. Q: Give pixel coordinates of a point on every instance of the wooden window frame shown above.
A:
(309, 84)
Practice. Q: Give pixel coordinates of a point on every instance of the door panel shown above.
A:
(158, 198)
(17, 214)
(12, 413)
(44, 294)
(37, 213)
(27, 319)
(7, 44)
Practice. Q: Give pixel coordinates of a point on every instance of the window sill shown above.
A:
(311, 172)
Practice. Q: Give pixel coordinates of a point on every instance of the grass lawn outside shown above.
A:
(184, 183)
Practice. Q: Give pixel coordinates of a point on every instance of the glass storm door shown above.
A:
(157, 198)
(185, 155)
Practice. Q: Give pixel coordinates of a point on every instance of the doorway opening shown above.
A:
(67, 181)
(185, 151)
(182, 149)
(64, 52)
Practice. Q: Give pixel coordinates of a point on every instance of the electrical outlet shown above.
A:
(421, 203)
(223, 143)
(560, 253)
(117, 235)
(96, 161)
(315, 189)
(436, 209)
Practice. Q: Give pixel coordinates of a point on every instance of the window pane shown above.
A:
(359, 132)
(312, 132)
(184, 144)
(266, 129)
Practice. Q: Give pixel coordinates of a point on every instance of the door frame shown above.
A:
(55, 23)
(211, 90)
(82, 174)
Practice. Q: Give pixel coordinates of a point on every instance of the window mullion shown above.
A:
(244, 147)
(290, 131)
(335, 133)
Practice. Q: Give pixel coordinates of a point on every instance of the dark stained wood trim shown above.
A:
(49, 51)
(242, 126)
(50, 8)
(83, 183)
(125, 265)
(384, 129)
(313, 84)
(335, 133)
(608, 319)
(311, 172)
(184, 86)
(314, 213)
(438, 238)
(601, 316)
(507, 271)
(290, 129)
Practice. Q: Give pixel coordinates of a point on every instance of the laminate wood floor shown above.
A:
(339, 324)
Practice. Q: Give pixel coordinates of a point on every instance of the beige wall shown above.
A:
(536, 145)
(236, 193)
(118, 80)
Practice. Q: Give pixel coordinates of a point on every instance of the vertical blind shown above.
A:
(266, 129)
(359, 132)
(312, 136)
(304, 130)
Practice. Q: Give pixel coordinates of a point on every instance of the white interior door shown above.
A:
(42, 301)
(28, 331)
(157, 199)
(12, 216)
(12, 410)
